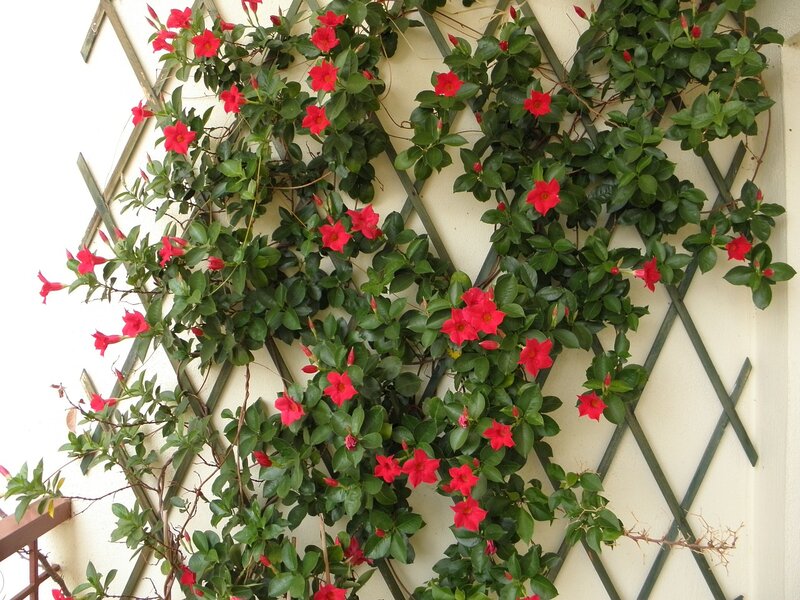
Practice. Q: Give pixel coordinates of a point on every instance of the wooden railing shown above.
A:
(14, 536)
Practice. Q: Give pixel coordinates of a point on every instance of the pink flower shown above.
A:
(591, 405)
(262, 459)
(463, 419)
(421, 468)
(329, 592)
(215, 263)
(468, 514)
(334, 236)
(179, 19)
(738, 248)
(290, 410)
(103, 341)
(484, 316)
(387, 468)
(4, 472)
(538, 104)
(447, 84)
(140, 113)
(233, 99)
(206, 44)
(365, 221)
(350, 441)
(48, 286)
(98, 404)
(171, 246)
(178, 137)
(490, 549)
(315, 119)
(459, 328)
(88, 261)
(544, 196)
(463, 479)
(135, 324)
(649, 274)
(340, 389)
(324, 38)
(323, 76)
(161, 43)
(535, 356)
(499, 435)
(331, 19)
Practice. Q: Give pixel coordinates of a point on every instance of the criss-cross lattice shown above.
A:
(414, 192)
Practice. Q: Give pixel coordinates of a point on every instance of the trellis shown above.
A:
(679, 508)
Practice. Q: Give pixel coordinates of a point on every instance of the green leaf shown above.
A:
(707, 258)
(699, 64)
(740, 275)
(280, 584)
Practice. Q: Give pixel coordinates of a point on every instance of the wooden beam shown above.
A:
(15, 536)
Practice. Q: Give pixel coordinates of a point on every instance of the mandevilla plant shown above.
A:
(274, 230)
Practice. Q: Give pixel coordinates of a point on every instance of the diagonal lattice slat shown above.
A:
(414, 190)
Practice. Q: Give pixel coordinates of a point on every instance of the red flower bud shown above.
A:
(197, 331)
(330, 482)
(508, 576)
(373, 305)
(276, 20)
(439, 125)
(579, 11)
(503, 46)
(696, 32)
(4, 472)
(684, 24)
(310, 369)
(626, 56)
(350, 441)
(351, 356)
(152, 12)
(514, 412)
(615, 270)
(489, 345)
(513, 12)
(102, 235)
(491, 549)
(607, 380)
(453, 39)
(306, 351)
(317, 200)
(118, 233)
(264, 561)
(367, 74)
(478, 118)
(759, 195)
(768, 273)
(501, 207)
(380, 533)
(404, 445)
(477, 168)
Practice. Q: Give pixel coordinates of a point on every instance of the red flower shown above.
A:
(447, 84)
(536, 356)
(103, 341)
(334, 236)
(469, 514)
(291, 411)
(323, 76)
(544, 196)
(253, 4)
(329, 592)
(459, 327)
(340, 389)
(503, 46)
(738, 248)
(365, 221)
(180, 19)
(490, 549)
(206, 44)
(171, 246)
(178, 137)
(421, 468)
(649, 274)
(225, 26)
(626, 56)
(475, 295)
(484, 316)
(262, 458)
(98, 403)
(187, 576)
(161, 43)
(331, 19)
(463, 479)
(533, 597)
(58, 594)
(499, 435)
(233, 99)
(387, 468)
(591, 405)
(215, 263)
(538, 104)
(354, 553)
(315, 119)
(140, 113)
(324, 38)
(47, 287)
(88, 261)
(135, 324)
(350, 441)
(696, 32)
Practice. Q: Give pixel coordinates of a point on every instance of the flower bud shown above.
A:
(453, 39)
(310, 369)
(579, 11)
(684, 23)
(501, 207)
(276, 20)
(626, 56)
(513, 12)
(330, 482)
(614, 270)
(351, 357)
(491, 549)
(477, 168)
(768, 273)
(380, 533)
(350, 442)
(479, 118)
(503, 46)
(696, 32)
(367, 75)
(607, 380)
(4, 472)
(489, 345)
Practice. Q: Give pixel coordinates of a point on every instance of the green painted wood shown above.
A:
(694, 485)
(93, 31)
